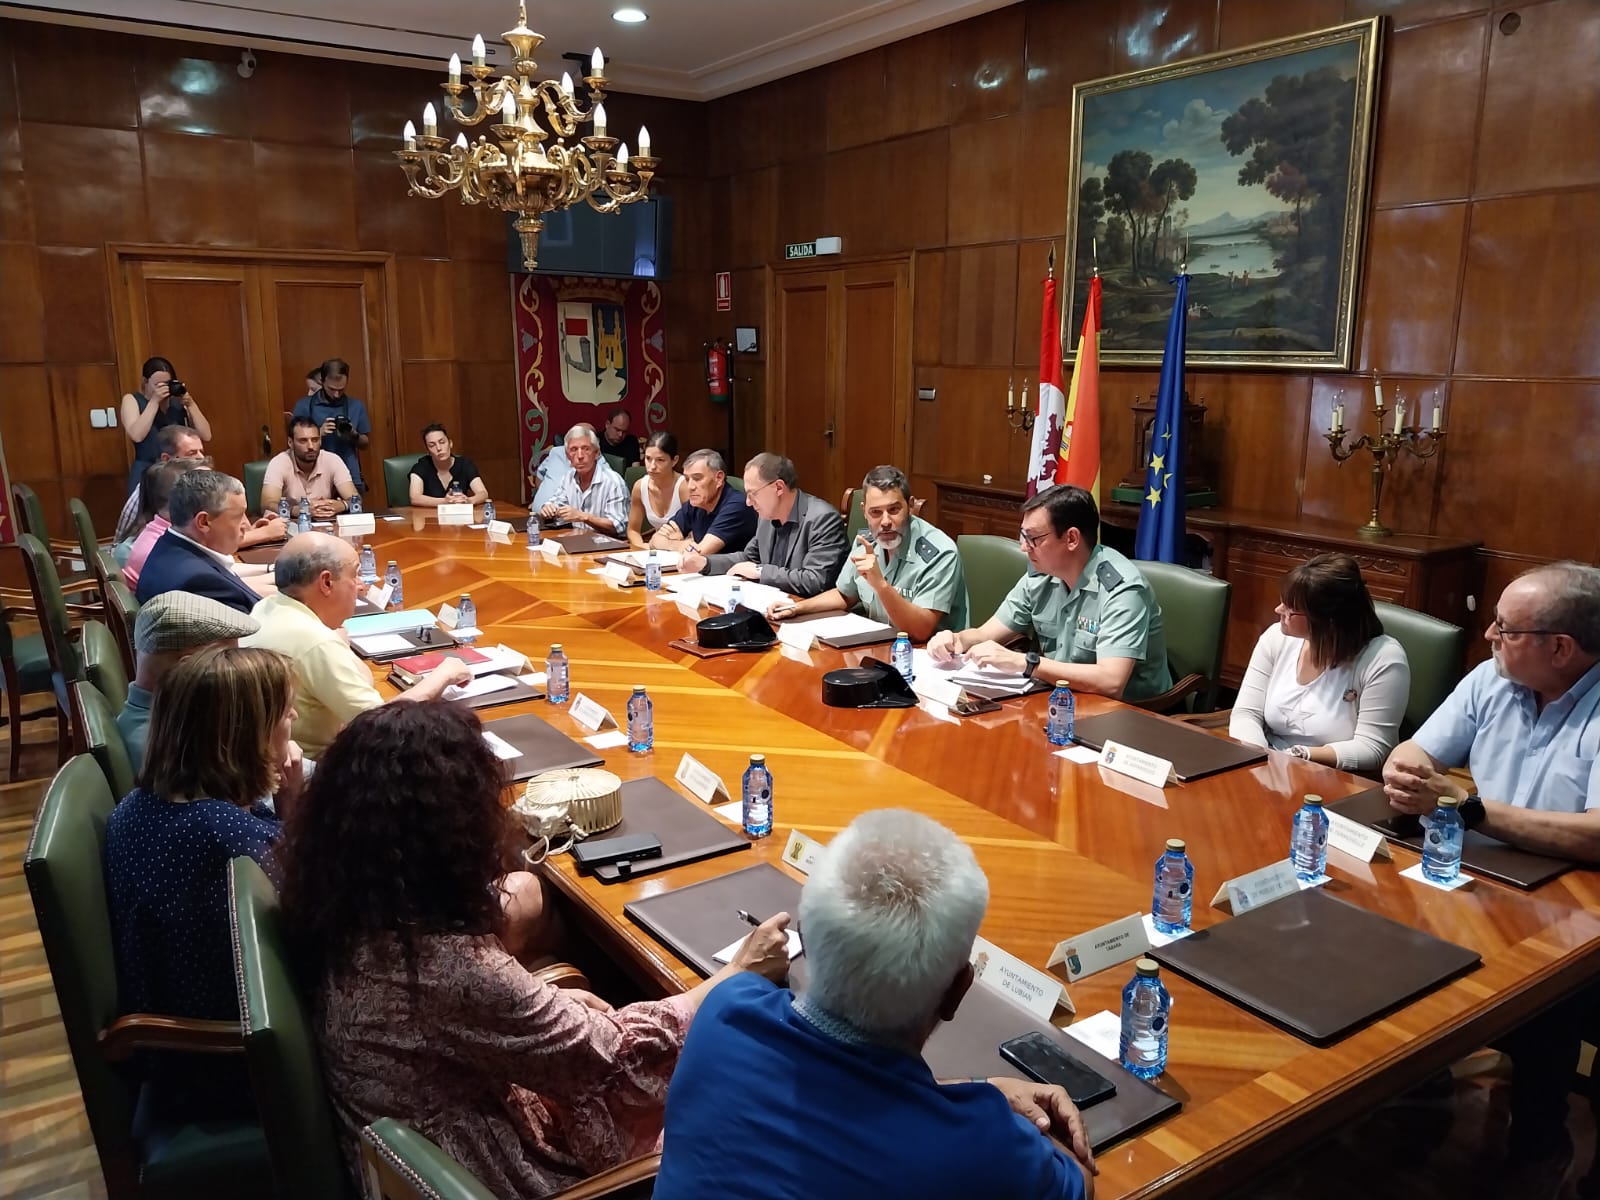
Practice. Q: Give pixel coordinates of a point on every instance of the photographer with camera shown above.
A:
(162, 400)
(340, 416)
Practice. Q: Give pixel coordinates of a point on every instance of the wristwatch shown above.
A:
(1033, 665)
(1472, 810)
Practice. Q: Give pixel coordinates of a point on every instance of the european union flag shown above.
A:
(1161, 515)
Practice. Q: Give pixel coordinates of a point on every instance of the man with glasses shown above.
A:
(1527, 724)
(799, 544)
(1093, 615)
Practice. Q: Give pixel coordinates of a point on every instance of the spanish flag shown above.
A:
(1078, 460)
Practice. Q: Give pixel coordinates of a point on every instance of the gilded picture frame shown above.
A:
(1253, 166)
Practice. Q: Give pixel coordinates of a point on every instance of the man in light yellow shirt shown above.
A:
(318, 583)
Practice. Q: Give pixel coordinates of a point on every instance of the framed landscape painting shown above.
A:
(1252, 167)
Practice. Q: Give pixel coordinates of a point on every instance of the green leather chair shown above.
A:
(27, 516)
(102, 662)
(279, 1047)
(122, 610)
(1435, 650)
(992, 566)
(255, 475)
(616, 462)
(66, 878)
(98, 736)
(401, 1164)
(736, 482)
(66, 661)
(397, 479)
(632, 476)
(855, 520)
(83, 525)
(25, 664)
(1194, 614)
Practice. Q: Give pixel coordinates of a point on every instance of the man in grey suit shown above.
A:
(799, 544)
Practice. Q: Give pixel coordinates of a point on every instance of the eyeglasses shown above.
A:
(1500, 628)
(1031, 540)
(754, 492)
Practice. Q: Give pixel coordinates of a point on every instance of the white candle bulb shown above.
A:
(1438, 417)
(599, 120)
(410, 135)
(1011, 396)
(622, 157)
(508, 109)
(644, 142)
(455, 68)
(461, 140)
(430, 122)
(1377, 390)
(597, 62)
(477, 49)
(1399, 416)
(566, 85)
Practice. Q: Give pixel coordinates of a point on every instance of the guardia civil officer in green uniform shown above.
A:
(1092, 614)
(906, 575)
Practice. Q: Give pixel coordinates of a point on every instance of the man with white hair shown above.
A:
(593, 494)
(827, 1092)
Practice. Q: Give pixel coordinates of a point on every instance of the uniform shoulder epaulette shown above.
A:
(1108, 576)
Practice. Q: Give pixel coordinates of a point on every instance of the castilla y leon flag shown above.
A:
(1078, 460)
(1051, 417)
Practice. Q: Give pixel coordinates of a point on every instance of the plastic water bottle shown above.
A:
(735, 596)
(534, 535)
(1145, 1009)
(641, 721)
(757, 797)
(454, 491)
(391, 580)
(652, 572)
(1308, 846)
(1172, 904)
(488, 511)
(283, 509)
(466, 619)
(1441, 849)
(304, 522)
(1063, 714)
(368, 570)
(556, 686)
(900, 655)
(353, 506)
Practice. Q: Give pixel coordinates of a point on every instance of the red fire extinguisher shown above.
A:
(717, 373)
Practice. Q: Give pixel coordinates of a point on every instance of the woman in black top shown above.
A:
(441, 471)
(162, 400)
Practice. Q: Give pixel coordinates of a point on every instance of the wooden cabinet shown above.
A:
(1439, 576)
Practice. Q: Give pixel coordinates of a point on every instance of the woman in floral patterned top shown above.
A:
(394, 893)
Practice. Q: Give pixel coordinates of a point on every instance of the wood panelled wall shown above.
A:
(109, 138)
(1482, 279)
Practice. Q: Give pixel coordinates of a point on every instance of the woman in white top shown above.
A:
(1325, 683)
(658, 493)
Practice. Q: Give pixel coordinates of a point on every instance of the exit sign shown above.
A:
(827, 245)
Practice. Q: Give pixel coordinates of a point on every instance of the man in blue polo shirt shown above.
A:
(827, 1093)
(1527, 724)
(341, 417)
(715, 516)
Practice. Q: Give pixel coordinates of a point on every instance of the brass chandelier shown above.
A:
(525, 169)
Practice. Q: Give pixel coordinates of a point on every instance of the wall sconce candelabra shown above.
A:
(518, 171)
(1386, 447)
(1018, 418)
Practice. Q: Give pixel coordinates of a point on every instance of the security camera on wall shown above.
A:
(247, 64)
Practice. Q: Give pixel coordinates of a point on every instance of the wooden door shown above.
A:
(842, 372)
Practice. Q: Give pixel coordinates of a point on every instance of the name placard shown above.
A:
(796, 637)
(1101, 948)
(378, 596)
(1036, 990)
(455, 514)
(500, 527)
(551, 548)
(1355, 839)
(802, 852)
(703, 783)
(615, 572)
(590, 713)
(356, 523)
(1256, 888)
(448, 616)
(1136, 764)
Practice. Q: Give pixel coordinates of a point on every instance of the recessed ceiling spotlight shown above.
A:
(629, 16)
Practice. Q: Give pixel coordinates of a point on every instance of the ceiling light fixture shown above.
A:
(629, 16)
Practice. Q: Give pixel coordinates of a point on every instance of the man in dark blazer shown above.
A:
(799, 544)
(208, 515)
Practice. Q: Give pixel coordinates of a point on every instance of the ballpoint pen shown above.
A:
(747, 918)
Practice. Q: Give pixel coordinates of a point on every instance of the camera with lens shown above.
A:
(344, 427)
(177, 389)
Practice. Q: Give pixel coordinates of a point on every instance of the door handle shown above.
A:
(828, 433)
(266, 441)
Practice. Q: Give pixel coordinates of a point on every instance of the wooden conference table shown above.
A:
(1066, 847)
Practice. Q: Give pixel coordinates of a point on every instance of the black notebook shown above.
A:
(688, 831)
(540, 746)
(695, 922)
(1192, 752)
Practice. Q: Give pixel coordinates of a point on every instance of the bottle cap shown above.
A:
(392, 563)
(1448, 802)
(757, 760)
(638, 689)
(555, 647)
(901, 633)
(1314, 800)
(1147, 967)
(465, 596)
(1176, 845)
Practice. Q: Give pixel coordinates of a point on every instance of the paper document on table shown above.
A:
(382, 643)
(667, 559)
(933, 681)
(725, 955)
(849, 625)
(714, 590)
(990, 681)
(481, 686)
(502, 748)
(498, 658)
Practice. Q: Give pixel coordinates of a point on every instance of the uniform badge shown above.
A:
(925, 550)
(1108, 576)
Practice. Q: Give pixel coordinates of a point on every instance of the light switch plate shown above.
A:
(97, 418)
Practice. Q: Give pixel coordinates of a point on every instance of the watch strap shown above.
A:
(1033, 664)
(1472, 810)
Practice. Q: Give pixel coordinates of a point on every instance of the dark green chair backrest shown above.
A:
(83, 524)
(1434, 648)
(992, 566)
(122, 610)
(397, 479)
(102, 662)
(66, 877)
(101, 737)
(632, 476)
(279, 1046)
(856, 519)
(736, 482)
(255, 475)
(1194, 615)
(28, 515)
(401, 1164)
(52, 607)
(616, 462)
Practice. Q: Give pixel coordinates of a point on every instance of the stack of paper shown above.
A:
(381, 643)
(944, 682)
(480, 686)
(499, 658)
(667, 559)
(714, 590)
(848, 625)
